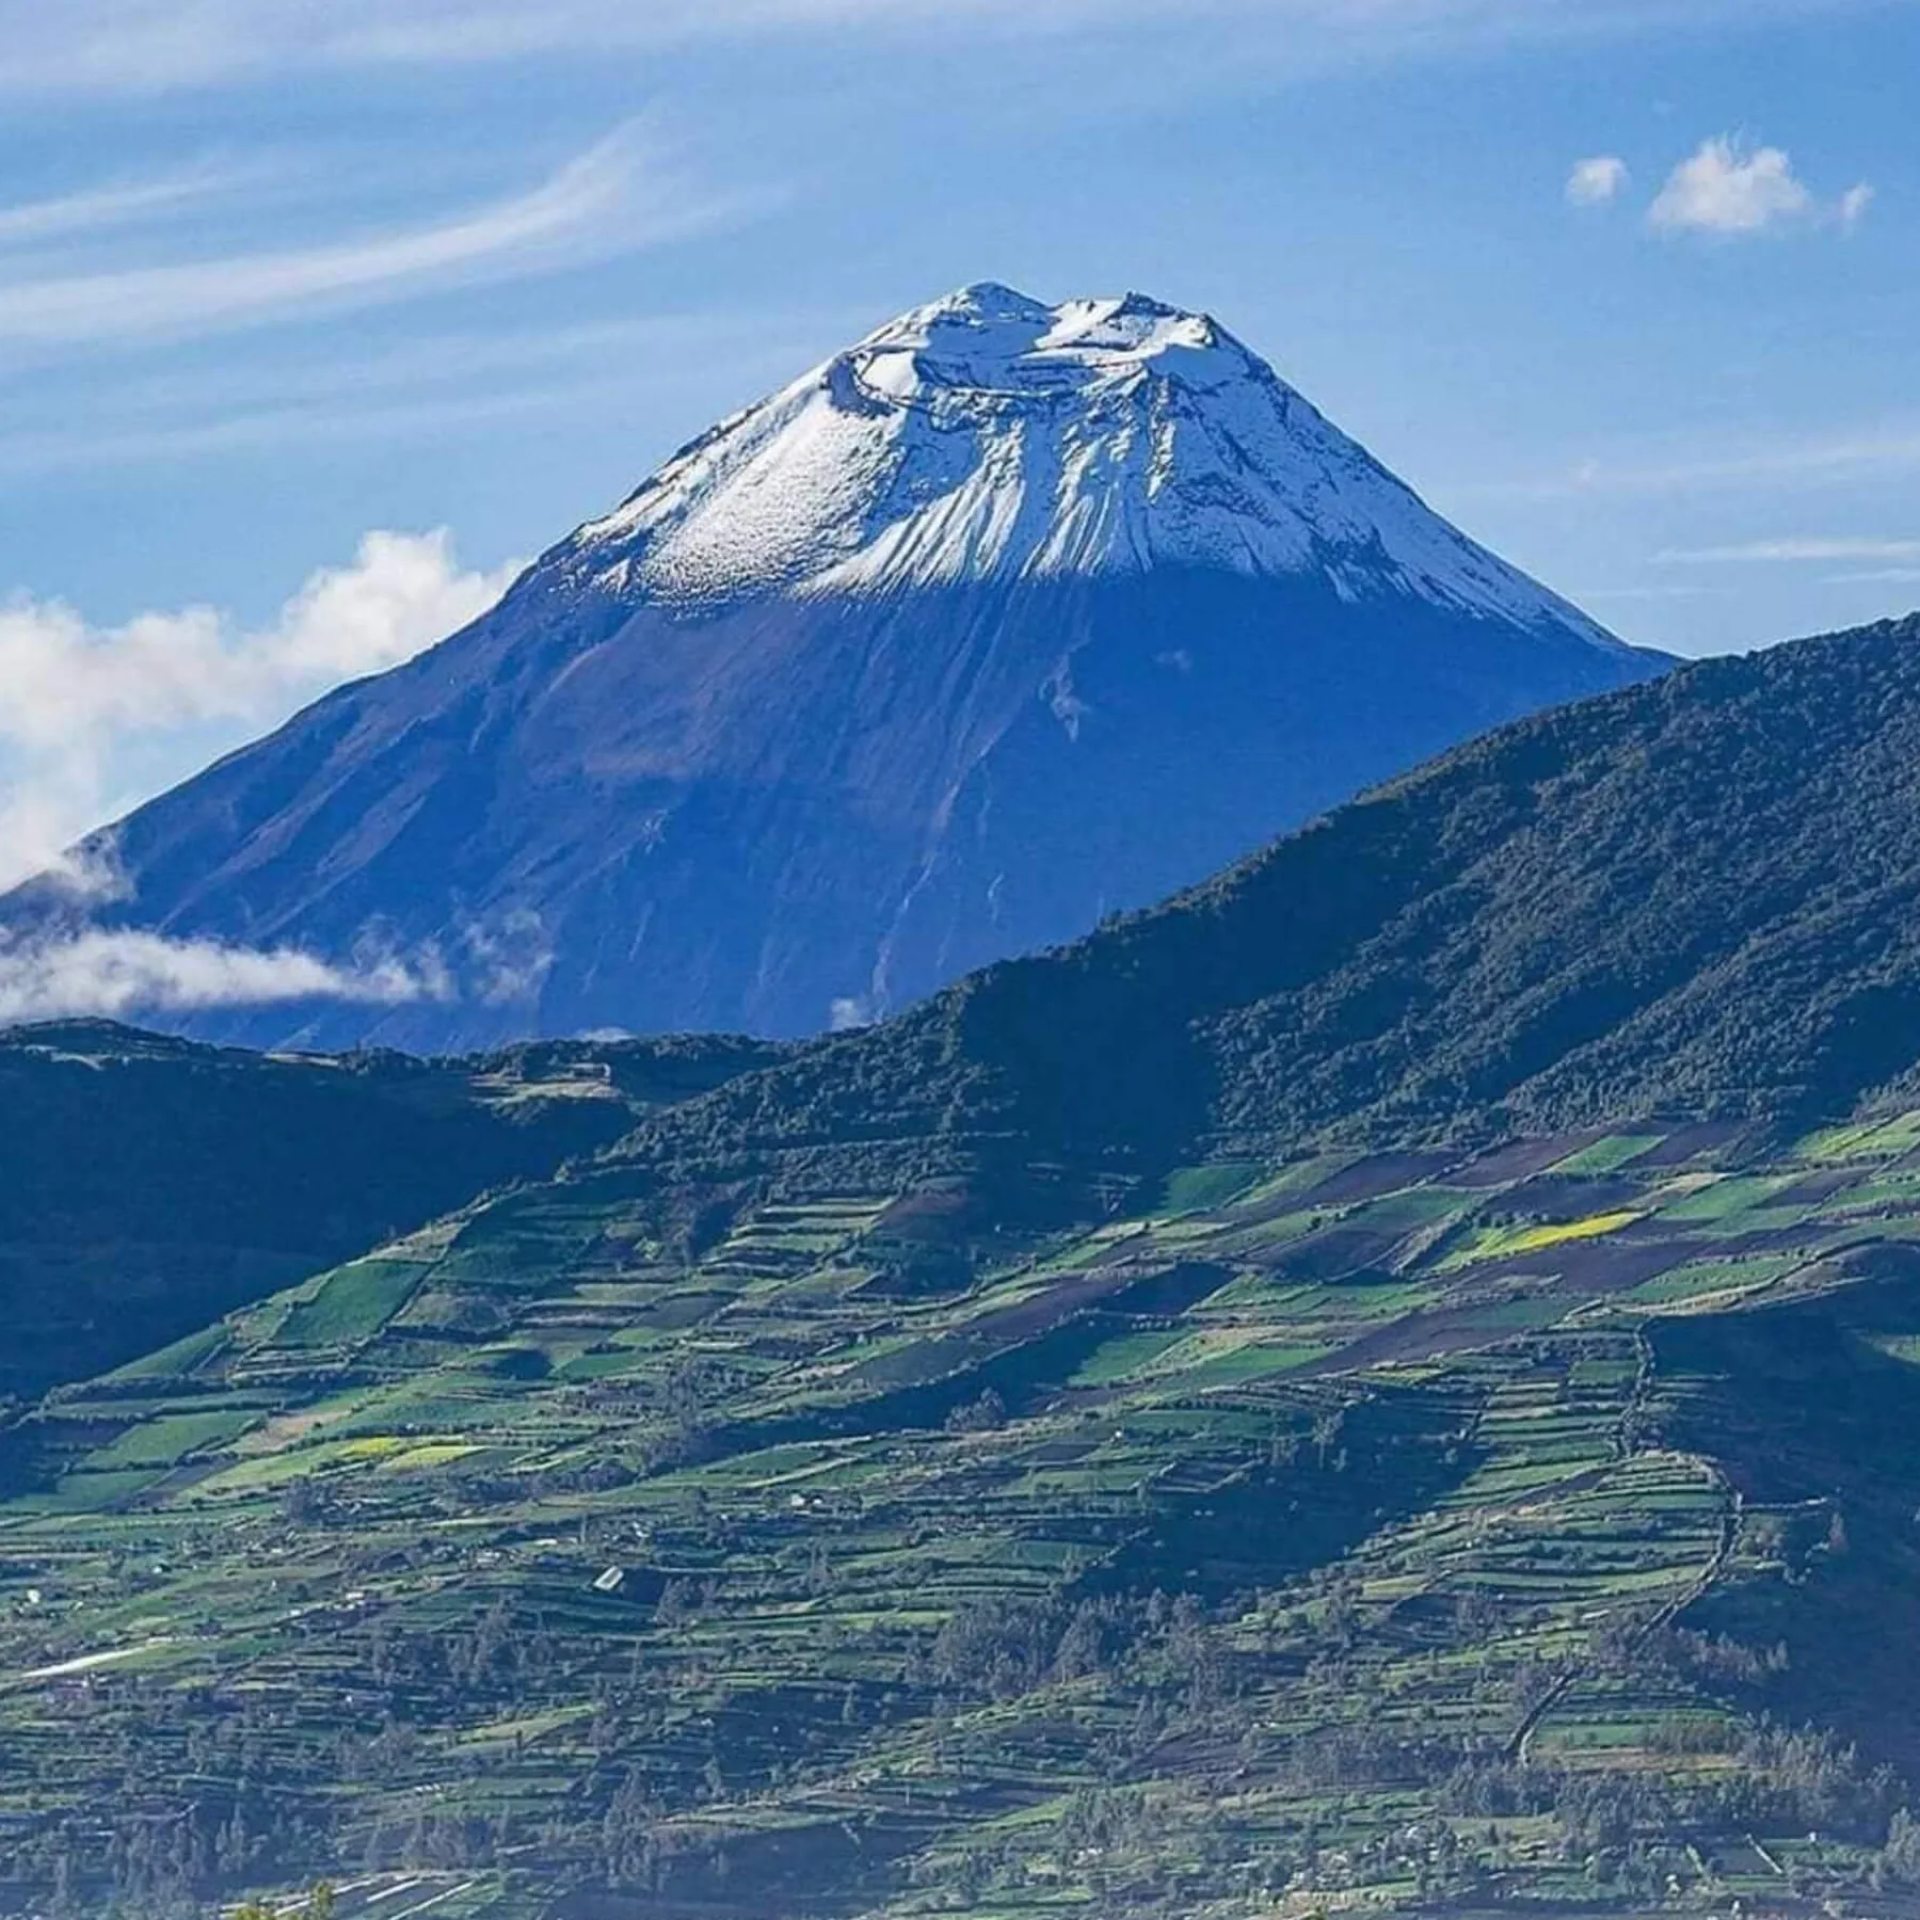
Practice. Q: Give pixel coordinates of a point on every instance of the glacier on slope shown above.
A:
(1008, 617)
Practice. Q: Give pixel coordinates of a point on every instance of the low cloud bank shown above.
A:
(81, 704)
(118, 975)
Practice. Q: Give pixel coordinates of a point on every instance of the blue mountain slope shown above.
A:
(1006, 618)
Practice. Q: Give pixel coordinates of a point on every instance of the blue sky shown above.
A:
(276, 277)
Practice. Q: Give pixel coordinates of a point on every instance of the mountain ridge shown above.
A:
(1687, 899)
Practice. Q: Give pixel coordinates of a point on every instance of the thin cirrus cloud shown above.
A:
(620, 195)
(309, 424)
(1791, 552)
(153, 45)
(112, 205)
(1732, 189)
(1839, 459)
(444, 383)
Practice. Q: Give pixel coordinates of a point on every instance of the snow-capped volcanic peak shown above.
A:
(989, 437)
(1007, 618)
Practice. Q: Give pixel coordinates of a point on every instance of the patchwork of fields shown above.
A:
(1400, 1531)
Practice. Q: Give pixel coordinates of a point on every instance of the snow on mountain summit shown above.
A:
(987, 436)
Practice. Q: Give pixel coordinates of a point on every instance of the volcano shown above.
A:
(1005, 619)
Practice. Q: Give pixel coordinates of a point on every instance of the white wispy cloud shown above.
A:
(118, 974)
(149, 45)
(1733, 189)
(433, 384)
(76, 700)
(109, 205)
(1648, 593)
(1791, 551)
(619, 195)
(1840, 458)
(1596, 181)
(251, 429)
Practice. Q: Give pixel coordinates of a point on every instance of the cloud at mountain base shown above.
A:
(117, 974)
(76, 699)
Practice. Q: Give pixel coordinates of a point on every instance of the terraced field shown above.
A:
(1407, 1532)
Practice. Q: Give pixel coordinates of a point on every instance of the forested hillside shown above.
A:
(1696, 897)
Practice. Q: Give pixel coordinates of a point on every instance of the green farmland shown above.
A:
(1486, 1535)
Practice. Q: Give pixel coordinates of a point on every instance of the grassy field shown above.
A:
(1398, 1535)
